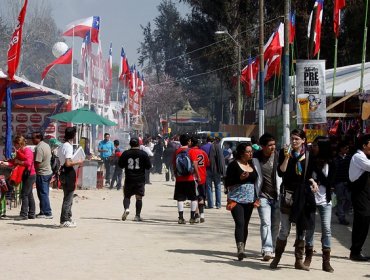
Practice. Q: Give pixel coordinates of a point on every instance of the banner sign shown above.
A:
(79, 95)
(311, 94)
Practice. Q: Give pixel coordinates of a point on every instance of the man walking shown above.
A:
(135, 162)
(67, 177)
(359, 175)
(215, 171)
(43, 174)
(266, 162)
(117, 173)
(106, 148)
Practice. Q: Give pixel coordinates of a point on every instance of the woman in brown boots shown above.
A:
(323, 174)
(296, 199)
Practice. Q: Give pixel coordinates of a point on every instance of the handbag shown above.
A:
(3, 185)
(243, 193)
(287, 197)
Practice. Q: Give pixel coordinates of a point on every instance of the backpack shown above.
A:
(184, 166)
(55, 164)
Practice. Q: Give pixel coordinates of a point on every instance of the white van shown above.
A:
(233, 142)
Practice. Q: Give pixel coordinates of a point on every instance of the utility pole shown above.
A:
(286, 82)
(261, 112)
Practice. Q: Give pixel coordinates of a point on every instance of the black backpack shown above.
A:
(55, 164)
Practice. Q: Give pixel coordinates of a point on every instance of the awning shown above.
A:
(26, 94)
(187, 116)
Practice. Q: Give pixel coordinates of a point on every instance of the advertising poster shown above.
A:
(311, 95)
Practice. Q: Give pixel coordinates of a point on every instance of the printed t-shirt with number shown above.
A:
(134, 161)
(203, 162)
(192, 157)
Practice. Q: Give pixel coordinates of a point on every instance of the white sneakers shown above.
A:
(125, 214)
(68, 224)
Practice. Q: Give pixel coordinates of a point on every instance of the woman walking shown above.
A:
(241, 177)
(296, 203)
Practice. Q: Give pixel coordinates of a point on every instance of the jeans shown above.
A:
(117, 176)
(343, 199)
(68, 190)
(325, 216)
(269, 213)
(42, 186)
(285, 226)
(216, 179)
(107, 167)
(28, 207)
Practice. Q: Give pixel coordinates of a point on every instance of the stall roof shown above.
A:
(27, 94)
(347, 79)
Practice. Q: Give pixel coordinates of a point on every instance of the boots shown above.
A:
(298, 252)
(279, 250)
(326, 260)
(240, 253)
(308, 258)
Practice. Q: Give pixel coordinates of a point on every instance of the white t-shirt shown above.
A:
(64, 152)
(320, 196)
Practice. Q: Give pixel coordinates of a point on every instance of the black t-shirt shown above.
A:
(134, 161)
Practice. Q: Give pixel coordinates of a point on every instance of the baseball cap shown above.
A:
(134, 142)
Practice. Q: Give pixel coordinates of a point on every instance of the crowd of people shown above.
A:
(287, 187)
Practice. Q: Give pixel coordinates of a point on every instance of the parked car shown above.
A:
(233, 142)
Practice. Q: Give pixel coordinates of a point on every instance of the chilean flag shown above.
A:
(275, 43)
(142, 85)
(65, 58)
(273, 65)
(291, 27)
(14, 51)
(124, 67)
(132, 82)
(80, 27)
(249, 76)
(315, 26)
(110, 62)
(338, 6)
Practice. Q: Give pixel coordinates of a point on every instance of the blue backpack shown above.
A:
(184, 166)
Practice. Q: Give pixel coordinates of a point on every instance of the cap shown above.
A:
(134, 142)
(54, 142)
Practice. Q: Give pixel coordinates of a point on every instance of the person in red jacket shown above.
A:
(201, 162)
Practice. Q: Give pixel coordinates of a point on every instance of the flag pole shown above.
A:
(286, 84)
(364, 50)
(73, 45)
(335, 68)
(261, 112)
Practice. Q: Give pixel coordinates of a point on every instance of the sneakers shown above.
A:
(181, 221)
(192, 221)
(137, 219)
(202, 220)
(266, 256)
(42, 216)
(68, 224)
(125, 214)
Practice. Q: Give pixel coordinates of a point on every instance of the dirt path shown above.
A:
(104, 247)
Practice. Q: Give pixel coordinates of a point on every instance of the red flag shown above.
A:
(316, 13)
(65, 58)
(338, 6)
(14, 51)
(249, 76)
(273, 66)
(275, 43)
(80, 27)
(291, 27)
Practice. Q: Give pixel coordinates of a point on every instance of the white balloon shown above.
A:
(59, 48)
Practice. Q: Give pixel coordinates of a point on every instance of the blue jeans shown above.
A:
(216, 179)
(117, 176)
(285, 226)
(269, 213)
(107, 167)
(42, 186)
(325, 216)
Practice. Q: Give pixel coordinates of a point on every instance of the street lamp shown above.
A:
(239, 96)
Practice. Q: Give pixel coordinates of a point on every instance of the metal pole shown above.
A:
(239, 101)
(364, 50)
(261, 112)
(286, 82)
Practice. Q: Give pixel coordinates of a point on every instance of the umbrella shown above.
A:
(187, 116)
(82, 116)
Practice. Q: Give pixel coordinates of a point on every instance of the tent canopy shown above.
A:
(26, 94)
(187, 116)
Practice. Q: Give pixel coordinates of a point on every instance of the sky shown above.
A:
(120, 21)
